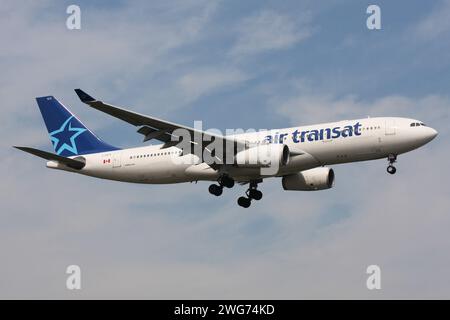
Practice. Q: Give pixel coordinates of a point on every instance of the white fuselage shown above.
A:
(310, 147)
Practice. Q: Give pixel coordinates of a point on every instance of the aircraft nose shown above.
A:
(430, 134)
(433, 133)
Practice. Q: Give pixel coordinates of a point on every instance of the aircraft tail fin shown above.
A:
(68, 135)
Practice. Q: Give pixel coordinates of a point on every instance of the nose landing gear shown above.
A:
(392, 158)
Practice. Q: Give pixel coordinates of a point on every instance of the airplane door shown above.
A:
(117, 163)
(390, 127)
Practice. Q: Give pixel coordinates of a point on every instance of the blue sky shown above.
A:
(232, 64)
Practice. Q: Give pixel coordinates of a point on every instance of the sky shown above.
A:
(231, 64)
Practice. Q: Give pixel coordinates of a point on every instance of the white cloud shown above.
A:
(108, 55)
(436, 23)
(176, 241)
(269, 30)
(312, 108)
(202, 81)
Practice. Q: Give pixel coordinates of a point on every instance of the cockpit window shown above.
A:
(423, 124)
(412, 124)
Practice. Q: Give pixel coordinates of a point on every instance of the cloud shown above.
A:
(436, 24)
(105, 56)
(269, 30)
(203, 81)
(294, 245)
(312, 108)
(176, 241)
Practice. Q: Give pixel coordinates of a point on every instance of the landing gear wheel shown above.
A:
(391, 169)
(255, 194)
(226, 182)
(215, 189)
(392, 158)
(244, 202)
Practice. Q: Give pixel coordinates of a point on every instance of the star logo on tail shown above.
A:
(64, 137)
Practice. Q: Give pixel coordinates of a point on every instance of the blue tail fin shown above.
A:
(68, 135)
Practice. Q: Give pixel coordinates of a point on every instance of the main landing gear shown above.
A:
(251, 193)
(224, 181)
(392, 158)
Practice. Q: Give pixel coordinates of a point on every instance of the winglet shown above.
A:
(84, 97)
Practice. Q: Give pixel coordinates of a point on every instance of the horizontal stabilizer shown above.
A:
(72, 163)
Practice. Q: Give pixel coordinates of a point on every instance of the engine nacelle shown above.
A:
(309, 180)
(263, 156)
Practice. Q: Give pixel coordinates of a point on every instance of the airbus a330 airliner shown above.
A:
(298, 155)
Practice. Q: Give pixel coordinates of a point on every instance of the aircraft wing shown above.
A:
(154, 128)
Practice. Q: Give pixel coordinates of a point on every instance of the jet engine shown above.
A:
(309, 180)
(263, 156)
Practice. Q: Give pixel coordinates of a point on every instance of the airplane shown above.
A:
(300, 156)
